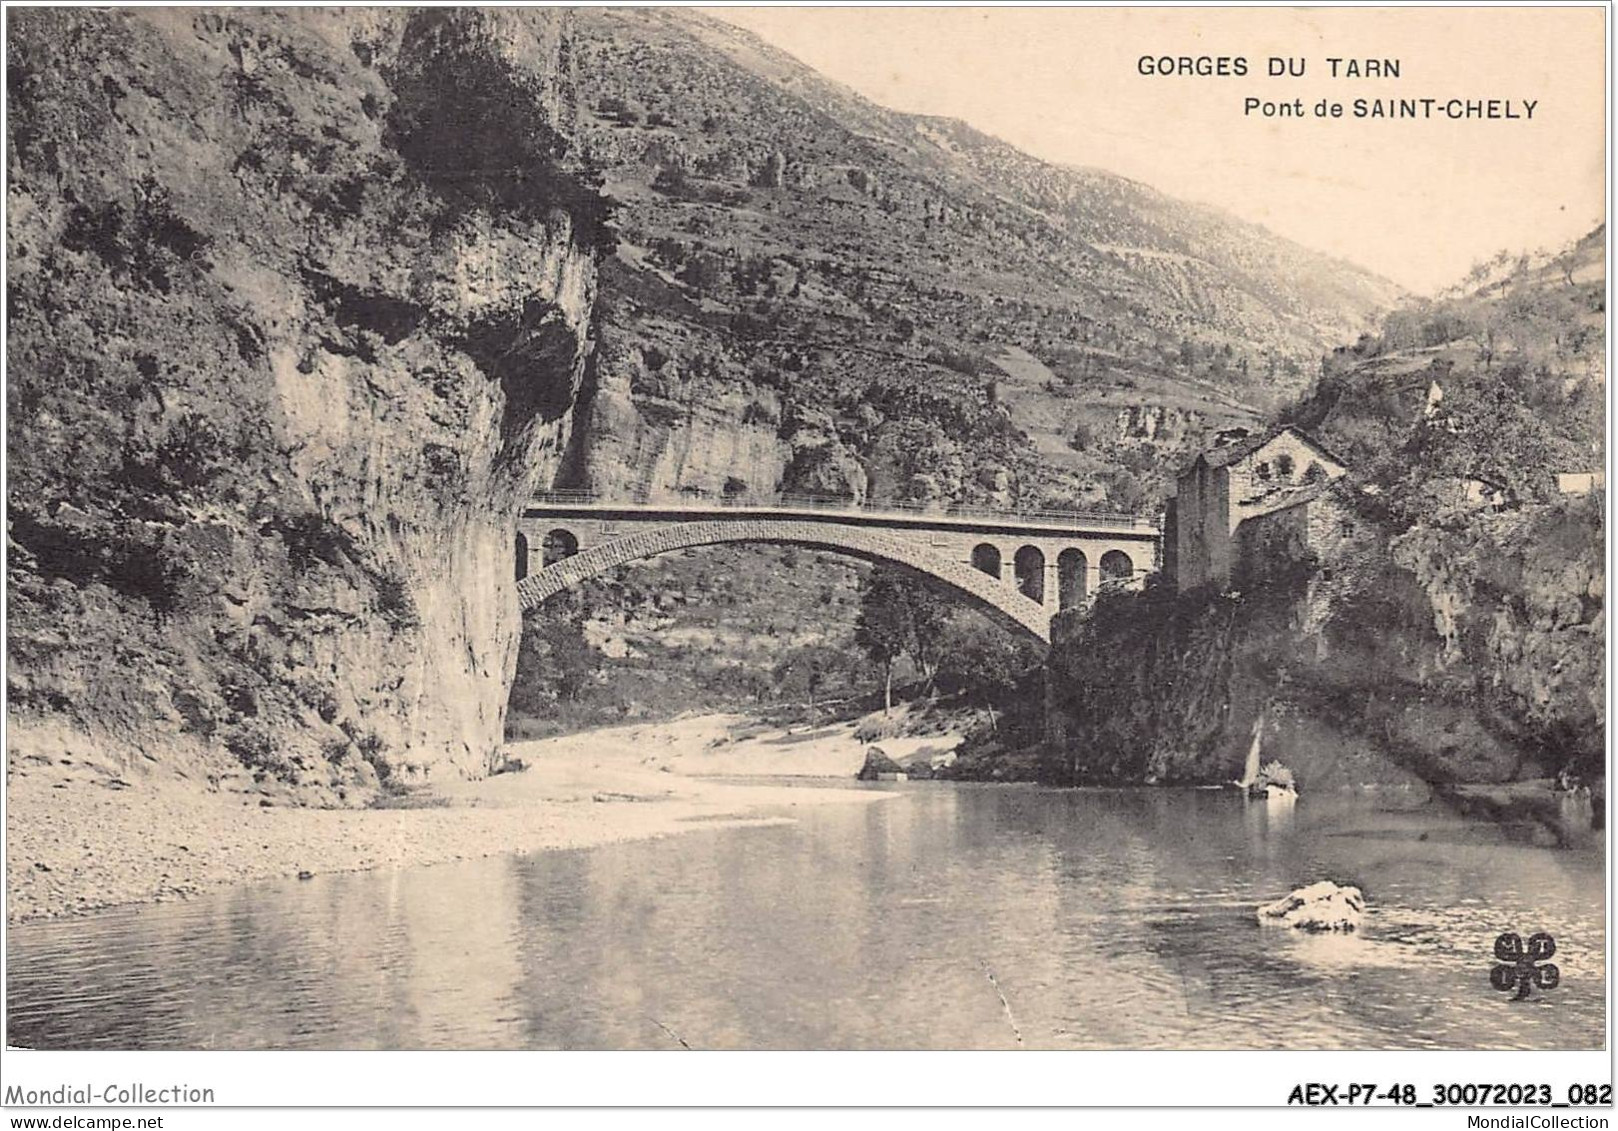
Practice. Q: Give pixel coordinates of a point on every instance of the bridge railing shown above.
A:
(1076, 519)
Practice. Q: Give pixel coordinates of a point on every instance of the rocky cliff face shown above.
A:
(1451, 639)
(1470, 652)
(299, 308)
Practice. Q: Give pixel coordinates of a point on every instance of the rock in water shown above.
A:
(879, 766)
(1319, 907)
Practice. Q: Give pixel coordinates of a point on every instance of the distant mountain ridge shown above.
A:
(1057, 189)
(781, 234)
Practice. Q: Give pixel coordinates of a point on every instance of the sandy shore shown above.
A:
(736, 746)
(77, 842)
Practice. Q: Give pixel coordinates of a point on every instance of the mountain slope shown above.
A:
(814, 293)
(1505, 373)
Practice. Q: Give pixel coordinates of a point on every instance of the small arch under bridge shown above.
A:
(1021, 567)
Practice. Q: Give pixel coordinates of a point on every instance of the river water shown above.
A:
(945, 917)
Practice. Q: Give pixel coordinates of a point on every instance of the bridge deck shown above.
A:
(810, 508)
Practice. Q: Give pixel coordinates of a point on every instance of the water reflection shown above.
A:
(1107, 919)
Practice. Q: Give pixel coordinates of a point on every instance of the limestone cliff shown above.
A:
(1469, 649)
(299, 308)
(1445, 634)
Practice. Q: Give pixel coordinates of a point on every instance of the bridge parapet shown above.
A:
(955, 514)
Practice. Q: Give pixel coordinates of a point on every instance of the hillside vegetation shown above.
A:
(1501, 379)
(1455, 638)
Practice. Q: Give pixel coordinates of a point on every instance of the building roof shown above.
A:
(1230, 453)
(1241, 449)
(1298, 496)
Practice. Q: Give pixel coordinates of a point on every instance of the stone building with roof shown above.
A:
(1312, 531)
(1236, 483)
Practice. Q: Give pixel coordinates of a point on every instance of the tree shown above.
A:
(984, 663)
(555, 663)
(704, 271)
(900, 616)
(883, 630)
(1567, 263)
(1487, 431)
(929, 619)
(1126, 491)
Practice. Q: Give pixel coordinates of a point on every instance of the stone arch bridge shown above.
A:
(1022, 568)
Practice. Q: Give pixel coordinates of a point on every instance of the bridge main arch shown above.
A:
(1001, 601)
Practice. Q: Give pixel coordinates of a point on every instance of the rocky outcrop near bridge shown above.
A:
(299, 309)
(1445, 639)
(1467, 654)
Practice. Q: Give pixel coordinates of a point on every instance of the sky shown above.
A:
(1416, 201)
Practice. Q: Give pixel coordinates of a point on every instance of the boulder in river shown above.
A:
(1319, 907)
(879, 767)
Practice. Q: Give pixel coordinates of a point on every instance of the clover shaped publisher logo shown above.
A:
(1522, 967)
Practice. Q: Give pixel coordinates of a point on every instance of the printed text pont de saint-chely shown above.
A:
(1423, 106)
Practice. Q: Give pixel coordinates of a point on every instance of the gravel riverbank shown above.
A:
(77, 840)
